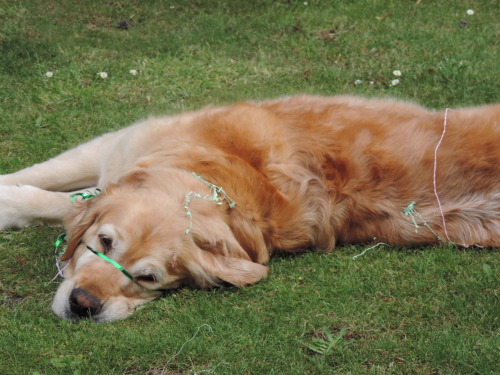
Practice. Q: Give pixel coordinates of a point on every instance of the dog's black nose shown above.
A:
(84, 304)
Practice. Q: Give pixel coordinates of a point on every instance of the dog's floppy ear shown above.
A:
(239, 272)
(223, 259)
(218, 256)
(76, 223)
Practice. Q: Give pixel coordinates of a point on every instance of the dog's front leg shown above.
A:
(21, 206)
(77, 168)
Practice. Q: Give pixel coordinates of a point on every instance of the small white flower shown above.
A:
(371, 82)
(470, 12)
(133, 72)
(397, 73)
(103, 74)
(305, 2)
(49, 74)
(395, 82)
(358, 82)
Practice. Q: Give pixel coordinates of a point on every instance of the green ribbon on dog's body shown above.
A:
(84, 196)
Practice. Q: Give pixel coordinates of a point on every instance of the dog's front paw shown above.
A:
(14, 207)
(25, 205)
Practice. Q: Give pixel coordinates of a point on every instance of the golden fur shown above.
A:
(305, 172)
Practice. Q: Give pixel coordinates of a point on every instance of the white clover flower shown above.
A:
(133, 72)
(395, 82)
(49, 74)
(305, 2)
(103, 74)
(358, 82)
(397, 73)
(470, 12)
(371, 82)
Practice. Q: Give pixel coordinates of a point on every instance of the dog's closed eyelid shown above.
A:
(106, 243)
(149, 278)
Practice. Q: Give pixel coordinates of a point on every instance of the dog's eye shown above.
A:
(146, 278)
(106, 243)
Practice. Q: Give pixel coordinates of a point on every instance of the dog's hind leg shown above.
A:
(74, 169)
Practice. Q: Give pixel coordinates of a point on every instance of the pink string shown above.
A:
(59, 269)
(435, 171)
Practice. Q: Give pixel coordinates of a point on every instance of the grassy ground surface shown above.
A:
(390, 311)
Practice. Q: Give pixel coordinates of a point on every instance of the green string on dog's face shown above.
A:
(114, 263)
(63, 237)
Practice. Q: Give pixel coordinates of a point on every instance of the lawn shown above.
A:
(390, 311)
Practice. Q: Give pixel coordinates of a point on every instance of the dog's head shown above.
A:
(162, 239)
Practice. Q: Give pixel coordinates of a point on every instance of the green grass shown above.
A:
(425, 311)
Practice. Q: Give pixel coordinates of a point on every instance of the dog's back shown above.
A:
(378, 157)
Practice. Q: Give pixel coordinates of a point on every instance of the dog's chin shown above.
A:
(105, 316)
(114, 308)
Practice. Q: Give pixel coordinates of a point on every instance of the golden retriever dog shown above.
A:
(206, 197)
